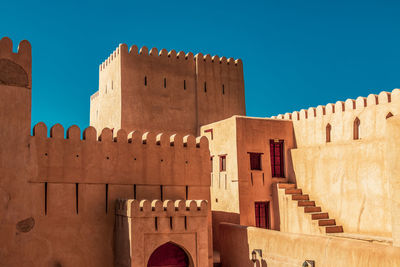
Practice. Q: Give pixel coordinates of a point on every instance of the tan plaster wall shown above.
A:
(292, 217)
(254, 135)
(106, 103)
(393, 171)
(287, 249)
(347, 177)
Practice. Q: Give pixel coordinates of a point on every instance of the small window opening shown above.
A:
(145, 80)
(389, 115)
(262, 214)
(211, 163)
(170, 223)
(187, 192)
(165, 82)
(356, 129)
(184, 84)
(185, 223)
(156, 223)
(223, 89)
(77, 197)
(161, 193)
(134, 191)
(255, 161)
(328, 133)
(205, 87)
(222, 163)
(45, 198)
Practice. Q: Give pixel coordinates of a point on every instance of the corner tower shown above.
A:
(166, 91)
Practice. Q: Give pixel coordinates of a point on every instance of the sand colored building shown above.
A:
(138, 188)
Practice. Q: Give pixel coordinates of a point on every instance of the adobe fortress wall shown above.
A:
(347, 177)
(176, 92)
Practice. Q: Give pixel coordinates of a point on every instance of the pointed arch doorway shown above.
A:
(168, 255)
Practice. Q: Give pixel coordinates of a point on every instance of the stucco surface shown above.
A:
(286, 249)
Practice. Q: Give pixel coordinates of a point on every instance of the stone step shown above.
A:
(285, 186)
(319, 216)
(305, 203)
(312, 209)
(292, 191)
(300, 197)
(326, 222)
(333, 229)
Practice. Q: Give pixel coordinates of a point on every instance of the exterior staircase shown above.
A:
(316, 213)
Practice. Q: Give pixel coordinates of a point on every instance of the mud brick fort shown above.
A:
(173, 173)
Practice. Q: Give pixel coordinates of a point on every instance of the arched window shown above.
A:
(389, 115)
(356, 129)
(328, 133)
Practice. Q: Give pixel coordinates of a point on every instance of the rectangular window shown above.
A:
(262, 214)
(277, 160)
(211, 161)
(222, 163)
(255, 161)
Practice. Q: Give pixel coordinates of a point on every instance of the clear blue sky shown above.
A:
(296, 54)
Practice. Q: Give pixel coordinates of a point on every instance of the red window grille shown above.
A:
(255, 161)
(277, 160)
(262, 214)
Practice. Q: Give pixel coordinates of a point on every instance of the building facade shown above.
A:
(138, 188)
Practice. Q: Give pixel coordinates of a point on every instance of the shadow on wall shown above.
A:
(222, 217)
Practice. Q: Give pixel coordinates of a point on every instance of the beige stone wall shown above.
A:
(106, 103)
(287, 249)
(347, 177)
(292, 217)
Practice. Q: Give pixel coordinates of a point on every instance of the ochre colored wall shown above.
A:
(181, 106)
(347, 177)
(152, 224)
(254, 135)
(287, 249)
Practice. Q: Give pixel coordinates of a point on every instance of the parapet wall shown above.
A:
(310, 125)
(142, 159)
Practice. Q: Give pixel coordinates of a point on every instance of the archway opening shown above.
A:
(168, 255)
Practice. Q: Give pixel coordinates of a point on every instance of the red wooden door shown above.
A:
(277, 160)
(262, 214)
(168, 255)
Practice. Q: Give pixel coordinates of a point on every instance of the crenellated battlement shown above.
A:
(163, 53)
(119, 157)
(344, 121)
(15, 68)
(342, 106)
(158, 208)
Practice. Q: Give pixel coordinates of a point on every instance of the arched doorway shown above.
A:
(168, 255)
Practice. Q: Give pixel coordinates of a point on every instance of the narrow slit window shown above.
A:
(106, 198)
(134, 191)
(205, 87)
(165, 82)
(161, 193)
(184, 84)
(356, 129)
(223, 89)
(77, 197)
(187, 192)
(145, 80)
(328, 133)
(222, 163)
(45, 198)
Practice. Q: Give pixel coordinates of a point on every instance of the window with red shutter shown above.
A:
(277, 159)
(255, 161)
(262, 214)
